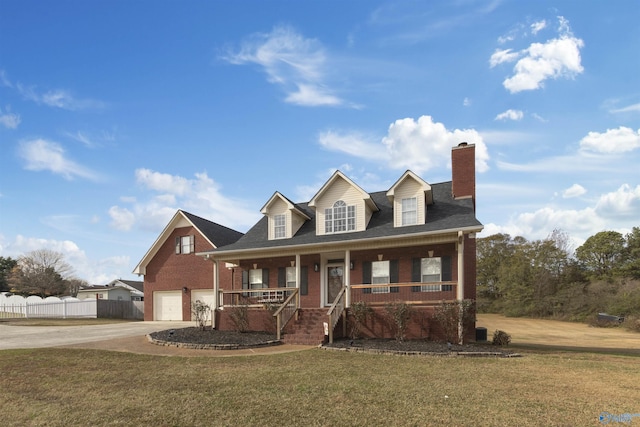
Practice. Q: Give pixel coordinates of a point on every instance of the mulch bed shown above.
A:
(195, 338)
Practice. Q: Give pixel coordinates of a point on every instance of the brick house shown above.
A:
(174, 276)
(302, 266)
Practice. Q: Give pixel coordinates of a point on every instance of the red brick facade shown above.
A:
(168, 271)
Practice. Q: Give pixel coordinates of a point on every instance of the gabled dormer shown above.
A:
(284, 218)
(342, 206)
(409, 197)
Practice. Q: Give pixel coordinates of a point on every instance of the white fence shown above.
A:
(16, 306)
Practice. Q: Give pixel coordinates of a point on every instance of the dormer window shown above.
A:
(279, 226)
(339, 218)
(410, 211)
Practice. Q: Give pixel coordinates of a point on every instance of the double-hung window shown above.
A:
(255, 279)
(291, 277)
(431, 271)
(185, 244)
(379, 275)
(410, 211)
(279, 227)
(340, 218)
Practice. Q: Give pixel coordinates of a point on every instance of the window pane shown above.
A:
(255, 278)
(380, 275)
(186, 244)
(409, 211)
(279, 226)
(291, 277)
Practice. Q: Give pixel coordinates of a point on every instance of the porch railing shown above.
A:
(254, 297)
(337, 309)
(411, 293)
(287, 310)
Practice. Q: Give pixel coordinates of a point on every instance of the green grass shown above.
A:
(66, 387)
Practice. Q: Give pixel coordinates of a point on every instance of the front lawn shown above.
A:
(66, 387)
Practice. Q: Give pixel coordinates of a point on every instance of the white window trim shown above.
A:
(279, 226)
(340, 218)
(405, 212)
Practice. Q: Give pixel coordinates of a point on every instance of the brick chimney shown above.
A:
(463, 171)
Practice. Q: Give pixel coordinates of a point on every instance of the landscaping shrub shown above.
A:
(398, 316)
(448, 316)
(240, 316)
(501, 338)
(360, 312)
(201, 312)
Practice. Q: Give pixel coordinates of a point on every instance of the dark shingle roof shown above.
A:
(444, 214)
(136, 284)
(217, 234)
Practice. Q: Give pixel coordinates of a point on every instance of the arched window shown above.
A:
(339, 218)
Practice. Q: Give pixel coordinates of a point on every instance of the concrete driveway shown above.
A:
(12, 337)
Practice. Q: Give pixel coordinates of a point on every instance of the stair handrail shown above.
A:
(280, 322)
(337, 308)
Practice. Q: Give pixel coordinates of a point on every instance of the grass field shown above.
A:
(69, 387)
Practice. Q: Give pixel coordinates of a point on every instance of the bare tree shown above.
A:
(41, 272)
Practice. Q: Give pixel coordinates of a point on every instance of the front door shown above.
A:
(335, 275)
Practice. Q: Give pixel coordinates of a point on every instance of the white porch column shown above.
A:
(460, 287)
(216, 293)
(347, 276)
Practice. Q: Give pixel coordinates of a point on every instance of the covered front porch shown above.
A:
(276, 287)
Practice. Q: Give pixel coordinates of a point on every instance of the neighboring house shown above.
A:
(174, 276)
(413, 243)
(119, 290)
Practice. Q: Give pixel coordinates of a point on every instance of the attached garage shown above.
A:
(167, 305)
(204, 295)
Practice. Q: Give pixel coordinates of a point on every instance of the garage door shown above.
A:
(204, 295)
(167, 305)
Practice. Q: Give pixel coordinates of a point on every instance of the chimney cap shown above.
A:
(463, 144)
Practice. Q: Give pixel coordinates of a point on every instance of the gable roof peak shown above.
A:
(290, 205)
(339, 175)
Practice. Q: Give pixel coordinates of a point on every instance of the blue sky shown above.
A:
(114, 114)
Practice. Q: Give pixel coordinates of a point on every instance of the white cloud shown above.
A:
(419, 145)
(9, 120)
(466, 102)
(576, 190)
(503, 55)
(200, 196)
(510, 115)
(121, 218)
(292, 61)
(40, 154)
(619, 140)
(556, 58)
(622, 203)
(536, 27)
(57, 98)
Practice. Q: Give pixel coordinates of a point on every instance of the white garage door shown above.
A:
(204, 295)
(167, 305)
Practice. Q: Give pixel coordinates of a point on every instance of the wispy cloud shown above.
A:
(200, 195)
(510, 114)
(56, 98)
(628, 109)
(292, 61)
(556, 58)
(44, 155)
(9, 119)
(419, 145)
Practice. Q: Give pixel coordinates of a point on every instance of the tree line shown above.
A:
(546, 278)
(41, 272)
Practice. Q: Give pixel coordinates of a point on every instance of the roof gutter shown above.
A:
(222, 254)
